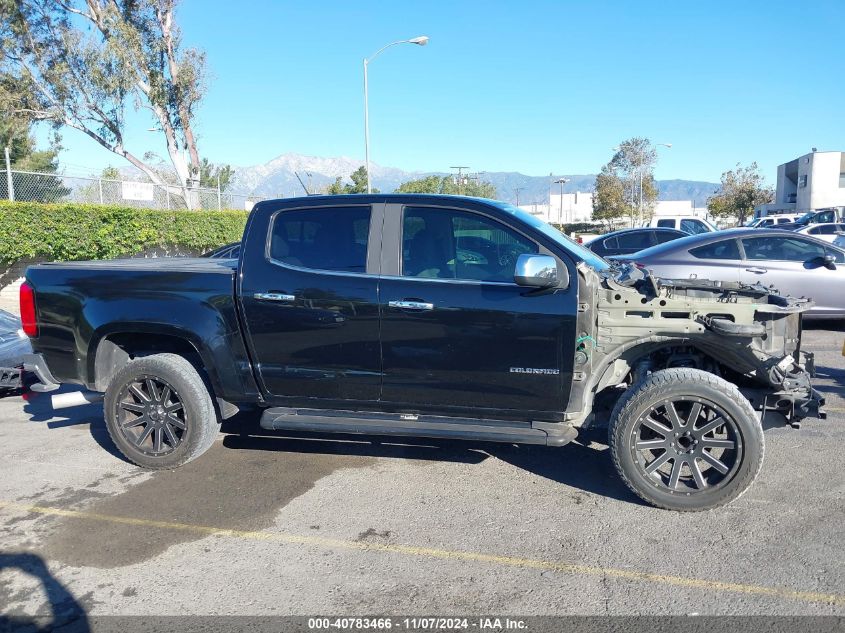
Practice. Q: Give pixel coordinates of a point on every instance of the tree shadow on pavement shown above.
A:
(65, 610)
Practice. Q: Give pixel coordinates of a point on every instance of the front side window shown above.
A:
(726, 249)
(451, 244)
(784, 249)
(323, 239)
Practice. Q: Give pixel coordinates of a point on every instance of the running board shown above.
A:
(411, 424)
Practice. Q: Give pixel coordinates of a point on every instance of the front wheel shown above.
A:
(159, 412)
(685, 439)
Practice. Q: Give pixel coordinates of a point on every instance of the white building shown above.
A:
(578, 207)
(809, 183)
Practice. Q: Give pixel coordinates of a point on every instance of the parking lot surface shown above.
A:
(272, 524)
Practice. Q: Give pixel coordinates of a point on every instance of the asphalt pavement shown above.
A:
(280, 523)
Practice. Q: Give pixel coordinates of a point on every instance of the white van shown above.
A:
(687, 224)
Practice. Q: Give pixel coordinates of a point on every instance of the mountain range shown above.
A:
(278, 178)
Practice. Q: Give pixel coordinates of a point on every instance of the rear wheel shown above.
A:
(685, 439)
(159, 412)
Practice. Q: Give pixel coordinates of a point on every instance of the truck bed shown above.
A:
(81, 303)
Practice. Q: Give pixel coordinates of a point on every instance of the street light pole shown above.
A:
(561, 182)
(422, 40)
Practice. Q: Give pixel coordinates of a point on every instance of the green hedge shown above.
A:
(64, 232)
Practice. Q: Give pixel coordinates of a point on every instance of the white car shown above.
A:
(827, 232)
(839, 240)
(768, 221)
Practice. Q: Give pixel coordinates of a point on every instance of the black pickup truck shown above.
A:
(430, 316)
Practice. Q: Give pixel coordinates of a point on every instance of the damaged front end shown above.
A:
(631, 323)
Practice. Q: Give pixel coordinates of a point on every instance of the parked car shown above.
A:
(229, 251)
(769, 221)
(14, 346)
(825, 216)
(629, 241)
(839, 240)
(826, 232)
(422, 315)
(795, 264)
(691, 226)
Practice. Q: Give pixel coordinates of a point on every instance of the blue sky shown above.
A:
(529, 86)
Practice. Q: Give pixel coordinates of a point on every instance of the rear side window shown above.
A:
(666, 236)
(635, 240)
(322, 239)
(726, 249)
(452, 244)
(666, 224)
(610, 244)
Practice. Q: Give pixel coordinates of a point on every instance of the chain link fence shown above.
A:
(27, 186)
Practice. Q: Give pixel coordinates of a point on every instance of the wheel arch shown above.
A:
(112, 348)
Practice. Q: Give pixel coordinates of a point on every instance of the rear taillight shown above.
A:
(28, 320)
(638, 265)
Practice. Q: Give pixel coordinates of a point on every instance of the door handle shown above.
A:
(273, 296)
(411, 305)
(758, 271)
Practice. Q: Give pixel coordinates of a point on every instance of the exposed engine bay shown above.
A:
(631, 323)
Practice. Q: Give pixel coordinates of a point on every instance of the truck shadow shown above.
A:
(584, 464)
(63, 609)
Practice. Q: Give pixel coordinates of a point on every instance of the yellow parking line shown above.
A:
(428, 552)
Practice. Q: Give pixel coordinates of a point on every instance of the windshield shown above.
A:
(804, 219)
(566, 242)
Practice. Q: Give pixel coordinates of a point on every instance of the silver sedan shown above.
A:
(795, 264)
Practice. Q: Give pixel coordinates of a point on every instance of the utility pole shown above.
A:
(9, 176)
(516, 191)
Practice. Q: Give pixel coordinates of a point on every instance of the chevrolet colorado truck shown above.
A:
(431, 316)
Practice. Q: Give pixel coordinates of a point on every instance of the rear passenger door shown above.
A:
(457, 333)
(309, 297)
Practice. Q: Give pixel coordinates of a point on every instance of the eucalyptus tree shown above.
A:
(83, 62)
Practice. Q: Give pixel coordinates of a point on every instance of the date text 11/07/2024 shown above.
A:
(417, 624)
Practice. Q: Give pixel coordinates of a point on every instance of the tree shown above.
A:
(358, 185)
(212, 175)
(609, 200)
(449, 185)
(742, 189)
(82, 61)
(24, 157)
(428, 184)
(626, 185)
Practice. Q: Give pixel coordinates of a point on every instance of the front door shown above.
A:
(457, 332)
(310, 304)
(794, 265)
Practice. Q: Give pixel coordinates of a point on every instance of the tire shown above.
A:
(159, 412)
(686, 460)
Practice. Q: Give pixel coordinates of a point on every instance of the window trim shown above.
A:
(376, 220)
(398, 232)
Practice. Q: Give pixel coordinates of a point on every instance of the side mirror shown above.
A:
(829, 262)
(539, 271)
